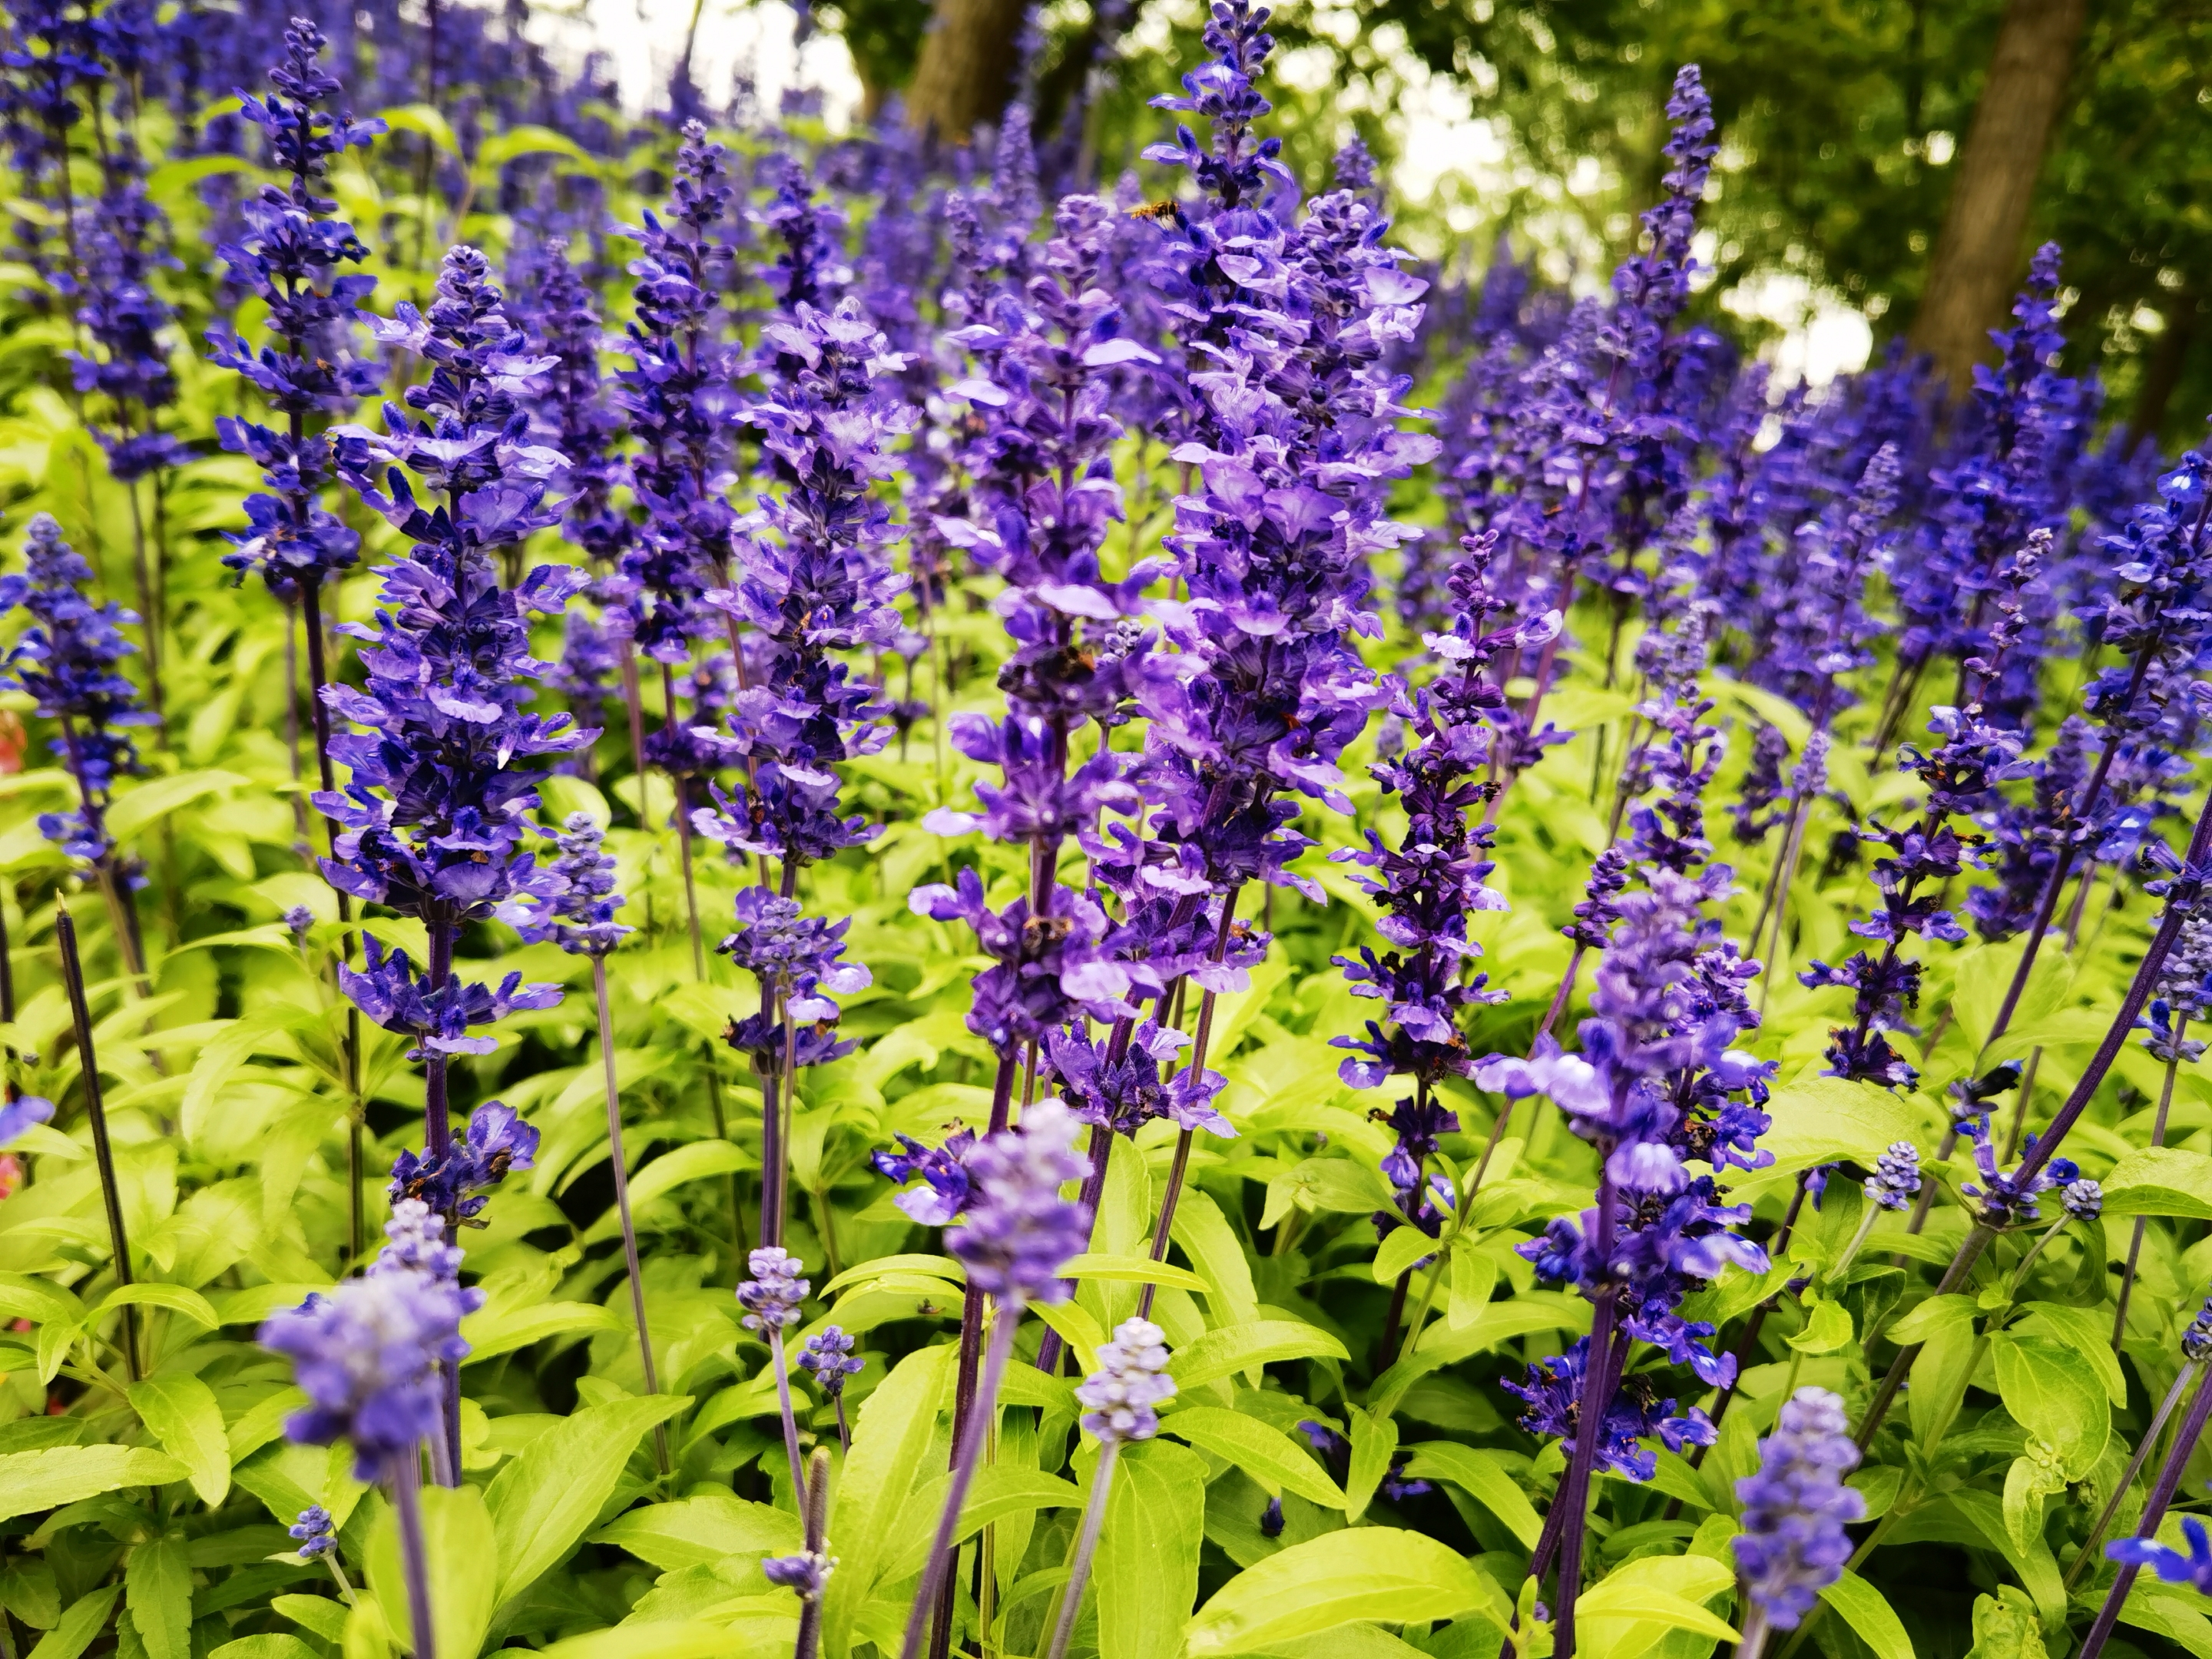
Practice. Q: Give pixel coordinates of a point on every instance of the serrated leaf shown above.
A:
(1148, 1551)
(1374, 1437)
(2054, 1393)
(84, 1619)
(2161, 1181)
(1398, 1252)
(157, 1586)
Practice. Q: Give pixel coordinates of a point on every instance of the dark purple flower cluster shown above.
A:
(453, 1182)
(575, 906)
(1048, 965)
(799, 963)
(290, 256)
(1124, 1091)
(68, 662)
(1554, 1390)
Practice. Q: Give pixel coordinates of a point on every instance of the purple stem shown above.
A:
(103, 1152)
(790, 1422)
(936, 1576)
(406, 1477)
(622, 1204)
(2161, 1494)
(1574, 1490)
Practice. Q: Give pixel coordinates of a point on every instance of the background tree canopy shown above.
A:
(1843, 124)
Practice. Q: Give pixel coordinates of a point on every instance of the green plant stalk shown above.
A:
(1086, 1546)
(621, 1202)
(103, 1152)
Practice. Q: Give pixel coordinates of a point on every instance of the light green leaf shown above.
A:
(183, 1415)
(2089, 1332)
(1215, 1251)
(1374, 1437)
(996, 1493)
(1132, 1270)
(701, 1531)
(86, 1617)
(1230, 1348)
(891, 1443)
(1868, 1612)
(1939, 1375)
(1261, 1450)
(2184, 1625)
(1937, 1313)
(497, 1329)
(159, 797)
(39, 1300)
(458, 1540)
(1828, 1327)
(1474, 1277)
(670, 1641)
(174, 1298)
(1398, 1252)
(502, 148)
(1482, 1475)
(693, 1162)
(1148, 1550)
(545, 1497)
(34, 1480)
(2161, 1181)
(2055, 1395)
(426, 121)
(317, 1614)
(275, 1645)
(157, 1586)
(1376, 1574)
(935, 1267)
(1826, 1119)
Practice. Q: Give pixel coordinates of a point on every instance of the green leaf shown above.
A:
(1482, 1475)
(1825, 1120)
(37, 1300)
(1261, 1450)
(174, 1298)
(2089, 1332)
(458, 1544)
(1374, 1437)
(157, 1585)
(275, 1645)
(996, 1493)
(2161, 1181)
(1828, 1327)
(701, 1531)
(546, 1497)
(159, 797)
(1398, 1252)
(497, 1329)
(1377, 1574)
(1474, 1277)
(1869, 1613)
(2055, 1393)
(425, 120)
(1215, 1251)
(1133, 1270)
(891, 1443)
(1936, 1313)
(86, 1617)
(2006, 1626)
(1148, 1550)
(2184, 1626)
(181, 1412)
(1619, 1600)
(1939, 1377)
(34, 1480)
(317, 1614)
(670, 1641)
(695, 1162)
(502, 148)
(1230, 1348)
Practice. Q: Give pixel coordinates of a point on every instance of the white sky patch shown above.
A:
(644, 38)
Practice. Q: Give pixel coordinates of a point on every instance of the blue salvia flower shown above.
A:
(291, 256)
(799, 961)
(120, 249)
(497, 1144)
(2002, 1197)
(807, 1572)
(828, 1358)
(19, 1113)
(1118, 1400)
(580, 421)
(677, 401)
(772, 1296)
(2193, 1568)
(577, 910)
(68, 662)
(1018, 1232)
(313, 1531)
(53, 57)
(1793, 1544)
(435, 814)
(821, 581)
(367, 1353)
(2083, 1200)
(1553, 1391)
(1896, 1178)
(810, 269)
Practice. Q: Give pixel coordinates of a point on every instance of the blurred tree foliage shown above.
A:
(1840, 119)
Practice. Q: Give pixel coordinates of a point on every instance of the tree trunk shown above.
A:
(966, 75)
(2169, 355)
(1978, 255)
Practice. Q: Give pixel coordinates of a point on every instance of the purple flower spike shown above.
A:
(313, 1531)
(1018, 1232)
(771, 1297)
(1046, 968)
(1127, 1094)
(1793, 1544)
(1119, 1397)
(578, 913)
(20, 1114)
(828, 1358)
(498, 1143)
(948, 1187)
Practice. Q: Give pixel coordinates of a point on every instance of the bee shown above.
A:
(1157, 212)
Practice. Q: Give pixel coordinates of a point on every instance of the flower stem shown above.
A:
(1086, 1546)
(622, 1204)
(936, 1574)
(406, 1475)
(816, 1509)
(2161, 1494)
(103, 1152)
(790, 1421)
(2157, 1139)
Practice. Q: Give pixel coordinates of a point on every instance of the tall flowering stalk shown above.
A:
(435, 808)
(1795, 1509)
(20, 1110)
(579, 915)
(1118, 1401)
(2183, 992)
(292, 257)
(1013, 1240)
(677, 400)
(771, 1299)
(69, 661)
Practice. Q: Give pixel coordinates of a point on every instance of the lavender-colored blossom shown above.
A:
(771, 1297)
(1896, 1176)
(1554, 1389)
(391, 993)
(291, 255)
(314, 1530)
(1793, 1544)
(2083, 1200)
(20, 1113)
(1046, 968)
(1124, 1095)
(2002, 1198)
(948, 1185)
(807, 1572)
(497, 1144)
(577, 910)
(828, 1358)
(68, 662)
(1118, 1397)
(1017, 1232)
